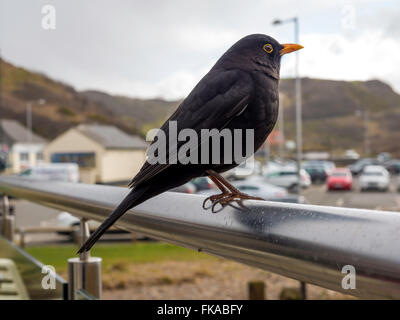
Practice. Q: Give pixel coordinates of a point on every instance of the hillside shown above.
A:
(332, 110)
(333, 114)
(66, 107)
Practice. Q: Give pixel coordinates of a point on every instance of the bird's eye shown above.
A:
(268, 48)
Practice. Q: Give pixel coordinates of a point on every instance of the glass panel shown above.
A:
(18, 265)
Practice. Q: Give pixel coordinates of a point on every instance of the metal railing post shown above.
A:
(8, 221)
(84, 272)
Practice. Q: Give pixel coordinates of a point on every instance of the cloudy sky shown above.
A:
(162, 48)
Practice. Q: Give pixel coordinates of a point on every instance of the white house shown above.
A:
(24, 149)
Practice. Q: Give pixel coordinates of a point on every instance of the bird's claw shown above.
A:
(224, 199)
(212, 199)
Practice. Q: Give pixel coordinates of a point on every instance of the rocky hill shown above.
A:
(334, 112)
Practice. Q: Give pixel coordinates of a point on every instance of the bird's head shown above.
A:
(257, 52)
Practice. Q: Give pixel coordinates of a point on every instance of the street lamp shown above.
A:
(29, 116)
(365, 116)
(299, 141)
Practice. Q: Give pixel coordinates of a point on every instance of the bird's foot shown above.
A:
(214, 198)
(225, 198)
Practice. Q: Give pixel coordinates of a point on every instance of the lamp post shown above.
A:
(29, 116)
(299, 140)
(29, 105)
(299, 133)
(364, 114)
(281, 130)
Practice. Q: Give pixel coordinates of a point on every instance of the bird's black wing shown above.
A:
(213, 103)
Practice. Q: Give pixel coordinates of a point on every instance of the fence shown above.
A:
(313, 244)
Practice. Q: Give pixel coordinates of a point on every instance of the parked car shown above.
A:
(357, 167)
(245, 170)
(393, 166)
(340, 178)
(255, 187)
(287, 178)
(317, 174)
(327, 165)
(65, 219)
(261, 189)
(67, 172)
(374, 177)
(188, 187)
(203, 183)
(351, 154)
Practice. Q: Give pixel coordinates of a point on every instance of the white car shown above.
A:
(261, 189)
(65, 219)
(374, 177)
(256, 188)
(287, 178)
(245, 169)
(66, 172)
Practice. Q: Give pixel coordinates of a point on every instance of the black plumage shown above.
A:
(239, 92)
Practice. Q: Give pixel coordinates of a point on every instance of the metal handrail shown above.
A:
(305, 242)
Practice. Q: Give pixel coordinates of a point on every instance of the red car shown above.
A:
(340, 179)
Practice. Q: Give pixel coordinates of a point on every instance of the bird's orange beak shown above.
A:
(290, 47)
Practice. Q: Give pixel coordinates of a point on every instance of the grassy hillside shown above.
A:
(332, 110)
(66, 107)
(333, 114)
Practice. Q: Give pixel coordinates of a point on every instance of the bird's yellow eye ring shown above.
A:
(268, 48)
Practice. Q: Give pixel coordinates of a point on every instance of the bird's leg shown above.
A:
(229, 192)
(224, 192)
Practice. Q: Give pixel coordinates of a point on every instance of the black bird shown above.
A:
(239, 92)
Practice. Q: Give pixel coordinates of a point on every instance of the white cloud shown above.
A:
(159, 48)
(336, 56)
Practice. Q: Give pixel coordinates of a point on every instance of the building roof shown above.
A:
(17, 133)
(111, 137)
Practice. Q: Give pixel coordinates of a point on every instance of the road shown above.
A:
(389, 200)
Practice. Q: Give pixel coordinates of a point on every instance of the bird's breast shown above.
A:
(262, 111)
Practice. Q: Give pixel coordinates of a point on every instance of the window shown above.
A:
(339, 174)
(39, 156)
(247, 187)
(24, 156)
(82, 159)
(288, 173)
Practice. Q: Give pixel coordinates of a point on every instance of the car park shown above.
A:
(357, 167)
(255, 187)
(66, 172)
(288, 178)
(393, 166)
(188, 187)
(317, 174)
(244, 170)
(340, 179)
(260, 189)
(203, 183)
(374, 177)
(67, 220)
(328, 166)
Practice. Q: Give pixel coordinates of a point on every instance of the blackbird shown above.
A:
(239, 92)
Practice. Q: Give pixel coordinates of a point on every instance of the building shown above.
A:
(105, 154)
(23, 148)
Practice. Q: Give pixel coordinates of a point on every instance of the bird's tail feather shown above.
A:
(134, 198)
